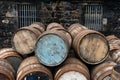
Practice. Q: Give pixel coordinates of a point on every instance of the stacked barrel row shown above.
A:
(47, 53)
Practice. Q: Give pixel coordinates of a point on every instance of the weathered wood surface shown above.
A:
(7, 69)
(31, 65)
(54, 25)
(10, 55)
(52, 48)
(91, 46)
(38, 25)
(24, 40)
(116, 72)
(102, 71)
(75, 29)
(72, 70)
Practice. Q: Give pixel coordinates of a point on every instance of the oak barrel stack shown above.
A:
(72, 69)
(11, 56)
(91, 46)
(52, 48)
(31, 69)
(102, 71)
(6, 70)
(24, 39)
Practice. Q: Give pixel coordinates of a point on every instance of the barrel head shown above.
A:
(51, 50)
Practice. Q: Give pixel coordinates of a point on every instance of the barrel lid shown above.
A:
(52, 48)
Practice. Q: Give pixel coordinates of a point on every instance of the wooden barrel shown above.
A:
(91, 46)
(68, 35)
(52, 48)
(75, 29)
(31, 69)
(116, 73)
(6, 70)
(24, 40)
(54, 25)
(72, 69)
(111, 37)
(115, 55)
(38, 25)
(102, 71)
(10, 55)
(114, 42)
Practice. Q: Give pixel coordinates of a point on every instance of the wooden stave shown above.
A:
(60, 34)
(54, 25)
(77, 40)
(32, 66)
(72, 64)
(33, 30)
(75, 29)
(107, 70)
(7, 69)
(38, 25)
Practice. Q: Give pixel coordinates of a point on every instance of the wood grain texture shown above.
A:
(7, 69)
(51, 50)
(38, 25)
(102, 71)
(54, 25)
(115, 75)
(75, 29)
(24, 40)
(31, 65)
(72, 70)
(92, 47)
(13, 57)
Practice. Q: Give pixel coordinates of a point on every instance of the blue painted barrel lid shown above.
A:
(51, 48)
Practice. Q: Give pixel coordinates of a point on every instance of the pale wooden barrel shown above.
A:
(11, 56)
(24, 40)
(115, 55)
(38, 25)
(72, 69)
(31, 69)
(52, 48)
(102, 71)
(6, 70)
(75, 29)
(54, 25)
(91, 46)
(114, 42)
(116, 73)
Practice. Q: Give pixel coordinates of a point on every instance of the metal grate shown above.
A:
(93, 16)
(26, 14)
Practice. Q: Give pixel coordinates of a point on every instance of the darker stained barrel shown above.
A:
(31, 69)
(38, 25)
(24, 40)
(91, 46)
(11, 56)
(102, 71)
(75, 29)
(6, 70)
(72, 69)
(52, 48)
(54, 25)
(116, 73)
